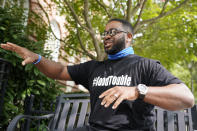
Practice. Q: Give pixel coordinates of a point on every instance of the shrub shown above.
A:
(23, 80)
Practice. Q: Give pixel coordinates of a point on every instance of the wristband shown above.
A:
(39, 59)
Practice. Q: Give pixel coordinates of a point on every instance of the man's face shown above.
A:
(116, 43)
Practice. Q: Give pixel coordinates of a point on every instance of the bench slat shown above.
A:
(181, 122)
(190, 120)
(160, 120)
(170, 116)
(83, 113)
(64, 114)
(73, 115)
(54, 123)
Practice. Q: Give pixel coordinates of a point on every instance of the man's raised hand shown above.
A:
(27, 55)
(117, 94)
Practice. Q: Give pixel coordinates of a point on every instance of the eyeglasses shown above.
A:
(112, 32)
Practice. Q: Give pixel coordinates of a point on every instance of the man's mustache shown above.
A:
(108, 40)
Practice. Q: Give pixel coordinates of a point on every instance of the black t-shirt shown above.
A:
(130, 71)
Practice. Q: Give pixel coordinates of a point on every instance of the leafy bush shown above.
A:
(23, 80)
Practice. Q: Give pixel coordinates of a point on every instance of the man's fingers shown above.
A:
(6, 47)
(27, 55)
(105, 93)
(15, 47)
(110, 97)
(117, 103)
(110, 100)
(117, 94)
(107, 97)
(27, 61)
(11, 47)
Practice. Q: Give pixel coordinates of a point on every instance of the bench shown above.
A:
(72, 110)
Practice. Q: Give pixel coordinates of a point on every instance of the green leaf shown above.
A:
(15, 36)
(28, 67)
(2, 28)
(41, 82)
(36, 71)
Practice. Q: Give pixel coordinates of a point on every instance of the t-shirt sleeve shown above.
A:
(157, 75)
(80, 73)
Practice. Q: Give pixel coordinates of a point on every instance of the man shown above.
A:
(124, 88)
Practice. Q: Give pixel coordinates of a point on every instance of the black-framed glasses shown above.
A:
(112, 32)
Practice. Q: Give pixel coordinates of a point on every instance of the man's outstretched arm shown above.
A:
(170, 97)
(49, 68)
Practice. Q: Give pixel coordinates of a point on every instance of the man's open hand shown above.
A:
(28, 56)
(117, 94)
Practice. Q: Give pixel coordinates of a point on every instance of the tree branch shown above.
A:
(145, 27)
(115, 5)
(164, 6)
(76, 17)
(82, 46)
(86, 11)
(64, 84)
(128, 16)
(124, 10)
(135, 9)
(92, 33)
(104, 7)
(66, 58)
(139, 16)
(164, 14)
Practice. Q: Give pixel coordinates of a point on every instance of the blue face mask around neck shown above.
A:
(121, 54)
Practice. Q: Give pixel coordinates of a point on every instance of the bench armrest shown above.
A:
(14, 122)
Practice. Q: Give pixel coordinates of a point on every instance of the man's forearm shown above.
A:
(49, 68)
(171, 97)
(52, 69)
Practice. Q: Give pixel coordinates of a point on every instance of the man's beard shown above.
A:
(117, 46)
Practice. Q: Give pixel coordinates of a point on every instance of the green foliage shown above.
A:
(172, 40)
(23, 80)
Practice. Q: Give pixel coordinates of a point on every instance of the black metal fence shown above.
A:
(5, 67)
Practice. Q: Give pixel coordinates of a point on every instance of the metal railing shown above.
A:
(5, 67)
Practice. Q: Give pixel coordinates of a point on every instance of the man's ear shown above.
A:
(129, 37)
